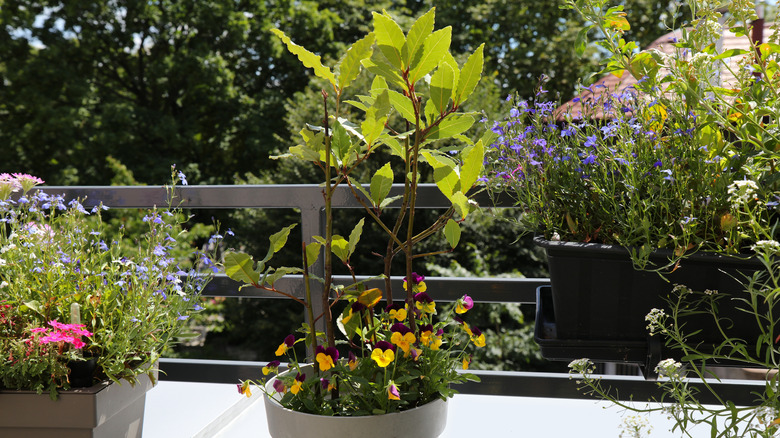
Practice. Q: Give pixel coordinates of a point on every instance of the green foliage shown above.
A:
(365, 382)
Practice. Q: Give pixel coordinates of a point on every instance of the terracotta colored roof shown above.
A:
(613, 84)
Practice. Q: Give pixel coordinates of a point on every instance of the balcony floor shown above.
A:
(206, 410)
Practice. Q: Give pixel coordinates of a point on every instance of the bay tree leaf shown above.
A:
(279, 239)
(473, 161)
(354, 236)
(452, 233)
(381, 183)
(469, 76)
(340, 247)
(390, 39)
(350, 65)
(444, 174)
(239, 266)
(377, 66)
(434, 48)
(453, 125)
(281, 272)
(312, 253)
(461, 203)
(442, 83)
(307, 58)
(412, 49)
(403, 105)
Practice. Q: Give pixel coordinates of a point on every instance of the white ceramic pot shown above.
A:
(427, 421)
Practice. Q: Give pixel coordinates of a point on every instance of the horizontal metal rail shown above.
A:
(308, 199)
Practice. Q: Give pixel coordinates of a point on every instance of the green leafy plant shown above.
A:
(405, 355)
(68, 295)
(658, 164)
(678, 161)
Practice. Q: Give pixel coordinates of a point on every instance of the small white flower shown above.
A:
(3, 262)
(769, 247)
(3, 284)
(655, 320)
(669, 368)
(741, 192)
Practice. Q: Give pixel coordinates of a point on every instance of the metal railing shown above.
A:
(308, 199)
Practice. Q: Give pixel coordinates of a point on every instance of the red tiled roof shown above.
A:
(611, 83)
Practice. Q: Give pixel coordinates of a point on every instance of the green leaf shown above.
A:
(312, 253)
(452, 233)
(461, 203)
(403, 105)
(442, 82)
(377, 66)
(239, 267)
(396, 148)
(444, 174)
(390, 39)
(341, 142)
(376, 117)
(390, 200)
(340, 247)
(350, 65)
(434, 48)
(279, 239)
(354, 236)
(731, 53)
(307, 58)
(473, 160)
(281, 272)
(450, 126)
(415, 39)
(430, 112)
(469, 76)
(581, 42)
(381, 183)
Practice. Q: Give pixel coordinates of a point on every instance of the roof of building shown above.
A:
(665, 44)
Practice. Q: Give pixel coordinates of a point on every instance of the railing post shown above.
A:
(313, 224)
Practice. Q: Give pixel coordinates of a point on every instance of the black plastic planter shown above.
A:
(597, 301)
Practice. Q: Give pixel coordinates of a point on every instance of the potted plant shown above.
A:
(383, 355)
(676, 175)
(80, 310)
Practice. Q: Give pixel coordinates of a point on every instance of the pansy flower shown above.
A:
(298, 383)
(326, 357)
(397, 311)
(402, 337)
(418, 283)
(383, 353)
(392, 392)
(430, 339)
(354, 309)
(279, 386)
(289, 341)
(477, 337)
(466, 362)
(464, 304)
(352, 362)
(326, 385)
(272, 367)
(243, 388)
(424, 303)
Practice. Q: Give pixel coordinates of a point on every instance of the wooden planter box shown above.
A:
(105, 410)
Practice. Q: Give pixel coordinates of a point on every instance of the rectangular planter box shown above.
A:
(105, 410)
(598, 301)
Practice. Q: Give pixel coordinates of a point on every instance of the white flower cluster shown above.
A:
(632, 426)
(655, 320)
(768, 247)
(581, 366)
(669, 368)
(741, 192)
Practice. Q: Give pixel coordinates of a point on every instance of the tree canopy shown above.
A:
(204, 84)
